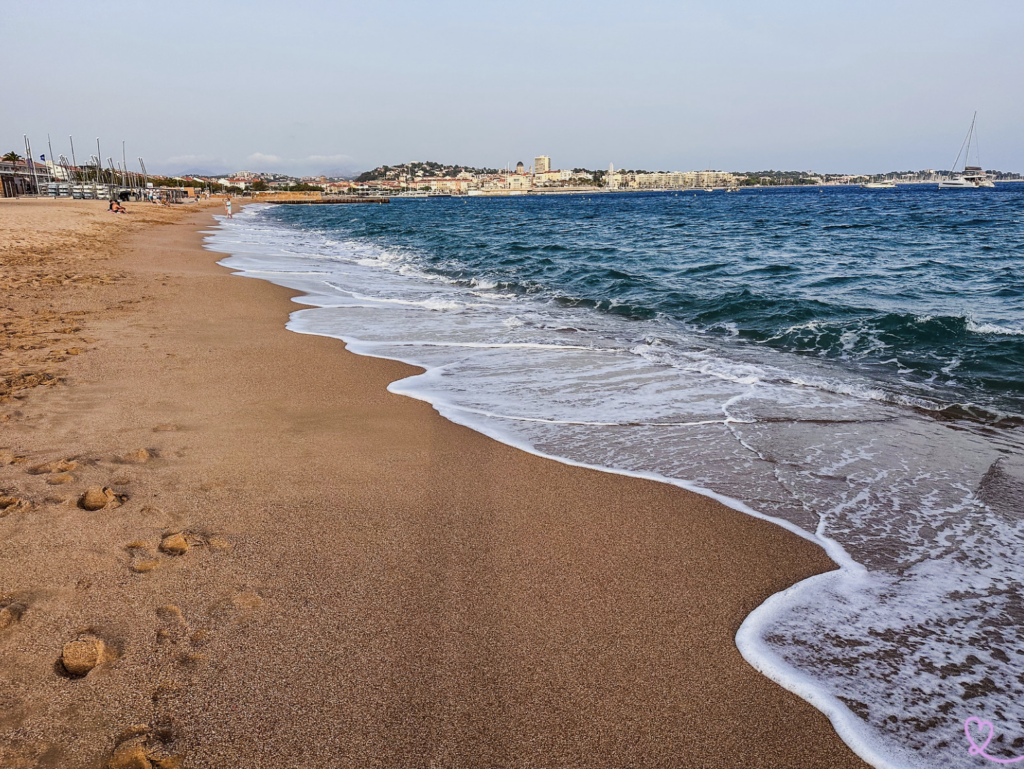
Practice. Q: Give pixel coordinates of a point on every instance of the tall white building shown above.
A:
(612, 179)
(541, 164)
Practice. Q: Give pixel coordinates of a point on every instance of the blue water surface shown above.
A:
(920, 288)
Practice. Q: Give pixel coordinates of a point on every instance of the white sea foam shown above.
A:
(993, 328)
(922, 625)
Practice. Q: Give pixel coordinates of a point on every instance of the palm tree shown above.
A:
(12, 157)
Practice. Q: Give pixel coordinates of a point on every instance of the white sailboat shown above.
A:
(970, 177)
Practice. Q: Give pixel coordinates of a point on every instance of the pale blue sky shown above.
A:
(307, 87)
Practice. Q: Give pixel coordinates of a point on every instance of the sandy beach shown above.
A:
(293, 567)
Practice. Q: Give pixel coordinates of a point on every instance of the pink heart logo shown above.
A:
(986, 731)
(985, 727)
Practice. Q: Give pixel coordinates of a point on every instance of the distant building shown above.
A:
(518, 181)
(541, 164)
(444, 184)
(22, 178)
(679, 179)
(612, 179)
(548, 177)
(520, 168)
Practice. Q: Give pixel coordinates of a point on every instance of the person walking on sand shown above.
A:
(227, 207)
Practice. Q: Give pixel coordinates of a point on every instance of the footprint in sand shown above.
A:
(173, 628)
(141, 558)
(83, 654)
(10, 613)
(240, 605)
(191, 660)
(165, 690)
(60, 467)
(12, 504)
(218, 544)
(8, 457)
(247, 600)
(145, 747)
(137, 457)
(176, 542)
(199, 639)
(99, 497)
(156, 516)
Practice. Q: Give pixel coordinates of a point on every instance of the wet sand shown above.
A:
(357, 582)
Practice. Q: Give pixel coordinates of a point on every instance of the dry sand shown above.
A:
(294, 568)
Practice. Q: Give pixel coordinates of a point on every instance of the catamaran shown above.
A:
(971, 177)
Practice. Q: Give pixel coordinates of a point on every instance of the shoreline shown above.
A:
(748, 639)
(378, 599)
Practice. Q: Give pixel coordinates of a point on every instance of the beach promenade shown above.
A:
(295, 568)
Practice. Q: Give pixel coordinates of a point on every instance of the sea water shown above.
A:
(848, 363)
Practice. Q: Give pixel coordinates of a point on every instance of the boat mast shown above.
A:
(967, 144)
(970, 138)
(74, 162)
(53, 163)
(977, 147)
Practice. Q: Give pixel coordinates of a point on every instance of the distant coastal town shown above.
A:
(426, 178)
(46, 176)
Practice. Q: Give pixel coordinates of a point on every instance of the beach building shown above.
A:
(541, 164)
(21, 178)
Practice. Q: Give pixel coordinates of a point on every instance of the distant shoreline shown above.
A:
(605, 191)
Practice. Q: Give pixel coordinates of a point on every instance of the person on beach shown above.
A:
(227, 207)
